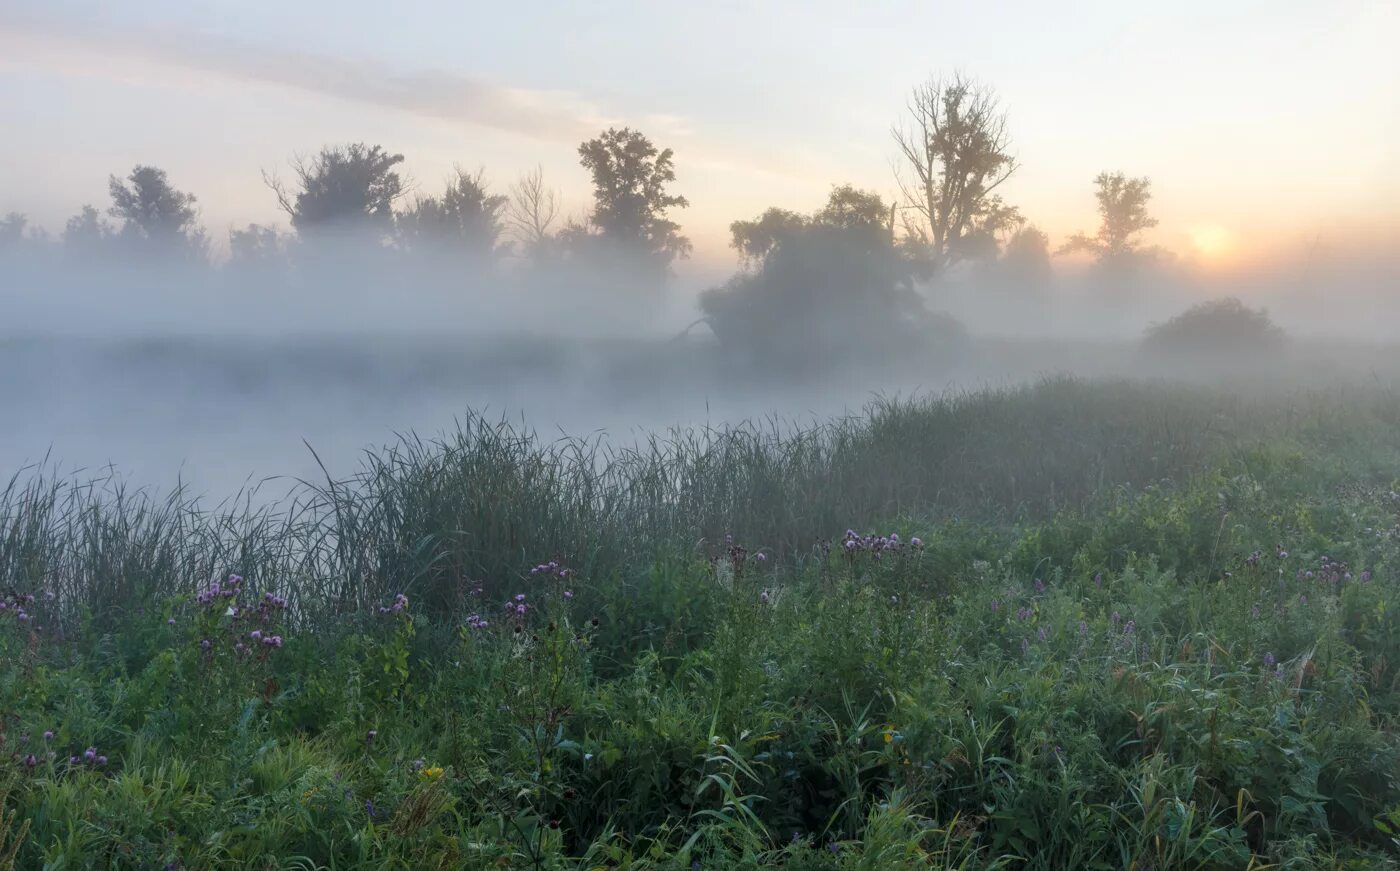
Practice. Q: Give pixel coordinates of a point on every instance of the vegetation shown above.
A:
(1090, 625)
(823, 289)
(1123, 214)
(1222, 326)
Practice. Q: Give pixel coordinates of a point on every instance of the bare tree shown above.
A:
(954, 150)
(532, 210)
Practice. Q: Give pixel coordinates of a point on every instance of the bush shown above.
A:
(1219, 326)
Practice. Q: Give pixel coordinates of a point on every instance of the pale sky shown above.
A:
(1261, 124)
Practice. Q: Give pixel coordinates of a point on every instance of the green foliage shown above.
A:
(1036, 664)
(1218, 326)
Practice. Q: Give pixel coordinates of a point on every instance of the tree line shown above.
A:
(851, 270)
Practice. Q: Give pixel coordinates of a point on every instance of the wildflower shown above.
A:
(256, 635)
(519, 597)
(371, 735)
(475, 621)
(761, 557)
(432, 772)
(1269, 661)
(1129, 627)
(554, 824)
(1039, 585)
(1023, 614)
(568, 594)
(90, 754)
(48, 735)
(1041, 634)
(170, 622)
(996, 606)
(763, 597)
(916, 542)
(30, 761)
(1282, 554)
(1303, 599)
(1366, 576)
(1098, 579)
(102, 760)
(1083, 628)
(205, 643)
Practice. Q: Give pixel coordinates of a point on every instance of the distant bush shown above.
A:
(1221, 325)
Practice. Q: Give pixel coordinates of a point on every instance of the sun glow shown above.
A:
(1211, 241)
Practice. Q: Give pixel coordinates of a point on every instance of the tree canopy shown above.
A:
(153, 211)
(345, 187)
(955, 152)
(630, 197)
(1123, 216)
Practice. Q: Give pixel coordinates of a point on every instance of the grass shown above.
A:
(1077, 624)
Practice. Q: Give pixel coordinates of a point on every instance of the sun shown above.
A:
(1211, 241)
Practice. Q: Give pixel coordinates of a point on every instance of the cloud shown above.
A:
(548, 115)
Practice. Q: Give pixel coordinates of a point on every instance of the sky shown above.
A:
(1264, 126)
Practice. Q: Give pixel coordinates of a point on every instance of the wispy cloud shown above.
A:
(541, 114)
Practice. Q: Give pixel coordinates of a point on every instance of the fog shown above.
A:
(134, 342)
(217, 380)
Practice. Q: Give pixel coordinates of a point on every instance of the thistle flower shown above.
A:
(1269, 660)
(48, 735)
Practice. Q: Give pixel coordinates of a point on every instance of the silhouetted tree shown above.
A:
(531, 212)
(12, 229)
(257, 247)
(87, 232)
(1123, 213)
(345, 187)
(630, 201)
(467, 220)
(1026, 258)
(154, 213)
(955, 153)
(822, 286)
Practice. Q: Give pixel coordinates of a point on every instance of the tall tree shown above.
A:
(630, 176)
(531, 213)
(955, 153)
(345, 186)
(467, 219)
(154, 212)
(1123, 215)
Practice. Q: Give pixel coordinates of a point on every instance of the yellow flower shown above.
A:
(432, 772)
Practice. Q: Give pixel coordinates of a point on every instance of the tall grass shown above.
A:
(439, 517)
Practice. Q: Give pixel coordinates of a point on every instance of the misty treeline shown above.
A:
(856, 274)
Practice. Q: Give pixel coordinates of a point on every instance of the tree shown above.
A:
(12, 229)
(821, 286)
(1123, 213)
(1025, 261)
(346, 187)
(955, 153)
(531, 212)
(87, 232)
(257, 246)
(467, 219)
(154, 213)
(629, 196)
